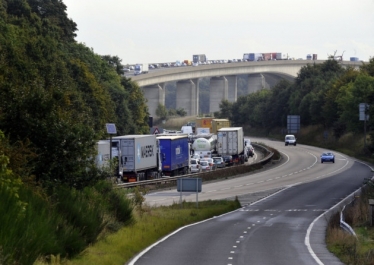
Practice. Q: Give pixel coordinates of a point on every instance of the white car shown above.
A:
(290, 139)
(210, 162)
(205, 166)
(195, 166)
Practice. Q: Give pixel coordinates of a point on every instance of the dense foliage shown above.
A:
(58, 94)
(325, 94)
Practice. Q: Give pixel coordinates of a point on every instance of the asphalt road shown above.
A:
(278, 229)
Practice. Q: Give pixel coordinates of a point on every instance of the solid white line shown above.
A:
(307, 236)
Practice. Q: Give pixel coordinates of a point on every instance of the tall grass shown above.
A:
(151, 224)
(347, 248)
(64, 223)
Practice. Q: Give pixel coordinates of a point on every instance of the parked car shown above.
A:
(195, 166)
(205, 165)
(228, 160)
(327, 157)
(219, 162)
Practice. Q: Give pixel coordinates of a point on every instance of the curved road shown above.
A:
(278, 229)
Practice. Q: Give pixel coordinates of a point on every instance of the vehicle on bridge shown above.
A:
(141, 69)
(199, 58)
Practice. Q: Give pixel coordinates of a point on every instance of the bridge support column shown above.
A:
(232, 82)
(255, 82)
(155, 95)
(218, 91)
(186, 95)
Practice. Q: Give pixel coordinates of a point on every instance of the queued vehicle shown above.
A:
(205, 165)
(195, 166)
(210, 162)
(250, 150)
(228, 160)
(219, 162)
(328, 157)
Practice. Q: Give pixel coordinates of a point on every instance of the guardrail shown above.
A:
(222, 173)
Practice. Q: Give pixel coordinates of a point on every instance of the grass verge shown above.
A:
(348, 248)
(151, 224)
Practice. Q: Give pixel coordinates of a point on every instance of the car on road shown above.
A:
(195, 166)
(250, 150)
(219, 162)
(210, 161)
(228, 160)
(205, 165)
(327, 157)
(290, 139)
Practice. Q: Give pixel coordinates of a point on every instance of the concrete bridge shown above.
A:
(223, 81)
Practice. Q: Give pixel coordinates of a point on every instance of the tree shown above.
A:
(162, 112)
(115, 62)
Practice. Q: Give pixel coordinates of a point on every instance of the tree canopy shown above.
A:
(57, 93)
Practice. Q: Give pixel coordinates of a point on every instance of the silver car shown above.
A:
(219, 162)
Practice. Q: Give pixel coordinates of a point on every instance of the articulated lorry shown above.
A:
(230, 141)
(175, 154)
(138, 157)
(204, 147)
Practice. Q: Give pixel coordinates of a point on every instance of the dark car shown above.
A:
(228, 160)
(250, 150)
(328, 157)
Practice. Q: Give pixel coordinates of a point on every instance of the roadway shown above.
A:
(279, 229)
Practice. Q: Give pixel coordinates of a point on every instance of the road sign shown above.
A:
(156, 130)
(111, 128)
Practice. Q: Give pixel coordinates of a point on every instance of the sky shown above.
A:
(156, 31)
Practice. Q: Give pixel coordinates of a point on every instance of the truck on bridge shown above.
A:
(141, 69)
(199, 58)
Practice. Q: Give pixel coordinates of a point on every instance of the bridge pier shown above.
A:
(232, 82)
(187, 96)
(218, 91)
(255, 82)
(155, 94)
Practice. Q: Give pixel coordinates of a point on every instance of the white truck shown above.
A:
(204, 147)
(141, 69)
(230, 142)
(138, 157)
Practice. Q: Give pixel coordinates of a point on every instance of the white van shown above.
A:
(187, 129)
(290, 139)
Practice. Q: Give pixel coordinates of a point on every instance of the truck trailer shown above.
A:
(138, 157)
(175, 154)
(199, 58)
(204, 147)
(230, 141)
(205, 122)
(218, 124)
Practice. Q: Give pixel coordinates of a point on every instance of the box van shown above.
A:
(187, 129)
(290, 139)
